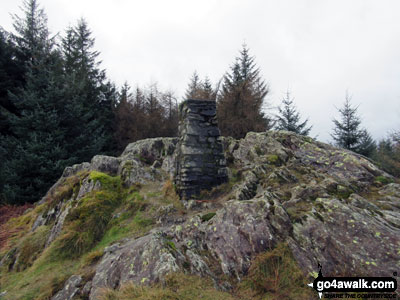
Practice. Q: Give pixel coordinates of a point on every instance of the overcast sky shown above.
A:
(318, 49)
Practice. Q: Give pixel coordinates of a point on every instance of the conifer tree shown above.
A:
(171, 120)
(289, 118)
(11, 78)
(36, 152)
(242, 99)
(194, 88)
(124, 130)
(348, 133)
(200, 89)
(90, 97)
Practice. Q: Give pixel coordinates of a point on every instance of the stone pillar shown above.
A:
(200, 156)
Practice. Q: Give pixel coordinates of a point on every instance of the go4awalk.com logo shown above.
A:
(370, 287)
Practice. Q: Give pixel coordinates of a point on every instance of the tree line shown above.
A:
(58, 107)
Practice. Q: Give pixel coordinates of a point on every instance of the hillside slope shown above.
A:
(116, 221)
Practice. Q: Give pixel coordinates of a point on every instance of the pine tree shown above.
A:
(348, 133)
(289, 118)
(242, 99)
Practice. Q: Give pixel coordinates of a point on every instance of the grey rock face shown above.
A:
(71, 288)
(232, 237)
(200, 160)
(105, 164)
(149, 150)
(68, 171)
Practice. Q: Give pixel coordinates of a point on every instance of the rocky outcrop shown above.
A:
(71, 288)
(327, 204)
(200, 158)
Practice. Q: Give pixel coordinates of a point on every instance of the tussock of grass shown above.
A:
(18, 227)
(177, 286)
(40, 281)
(69, 186)
(86, 224)
(93, 257)
(30, 248)
(169, 195)
(275, 275)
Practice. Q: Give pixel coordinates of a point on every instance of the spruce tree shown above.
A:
(348, 133)
(289, 118)
(89, 111)
(11, 78)
(36, 152)
(242, 99)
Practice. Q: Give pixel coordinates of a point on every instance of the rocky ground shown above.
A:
(116, 221)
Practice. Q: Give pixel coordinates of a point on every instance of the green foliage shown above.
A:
(276, 275)
(289, 118)
(44, 133)
(348, 134)
(387, 155)
(242, 99)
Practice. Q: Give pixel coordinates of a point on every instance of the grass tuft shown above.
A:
(275, 275)
(177, 286)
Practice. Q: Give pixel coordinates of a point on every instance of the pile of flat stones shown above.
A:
(200, 157)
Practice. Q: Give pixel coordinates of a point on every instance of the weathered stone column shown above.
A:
(200, 156)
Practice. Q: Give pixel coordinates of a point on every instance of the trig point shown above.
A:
(200, 157)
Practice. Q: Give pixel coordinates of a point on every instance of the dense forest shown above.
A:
(58, 107)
